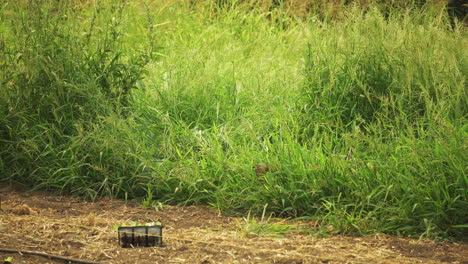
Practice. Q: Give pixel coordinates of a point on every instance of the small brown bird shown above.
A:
(261, 169)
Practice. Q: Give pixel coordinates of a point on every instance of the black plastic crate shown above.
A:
(140, 236)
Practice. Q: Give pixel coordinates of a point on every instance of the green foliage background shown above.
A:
(362, 118)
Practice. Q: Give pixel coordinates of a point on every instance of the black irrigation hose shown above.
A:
(68, 260)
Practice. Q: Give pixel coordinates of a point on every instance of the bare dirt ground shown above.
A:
(84, 230)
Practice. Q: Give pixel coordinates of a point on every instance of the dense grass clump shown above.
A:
(393, 112)
(361, 119)
(66, 81)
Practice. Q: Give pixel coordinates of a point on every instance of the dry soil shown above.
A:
(84, 230)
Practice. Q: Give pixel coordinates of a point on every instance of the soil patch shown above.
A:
(83, 230)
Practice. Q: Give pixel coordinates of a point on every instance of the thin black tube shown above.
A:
(56, 257)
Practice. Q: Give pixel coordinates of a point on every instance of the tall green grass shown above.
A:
(362, 120)
(66, 81)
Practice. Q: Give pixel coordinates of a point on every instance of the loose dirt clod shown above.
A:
(83, 230)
